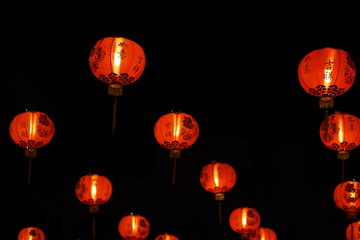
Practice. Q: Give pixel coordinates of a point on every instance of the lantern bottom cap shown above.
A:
(343, 155)
(326, 102)
(115, 89)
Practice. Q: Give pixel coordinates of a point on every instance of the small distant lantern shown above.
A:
(244, 220)
(117, 61)
(31, 130)
(347, 198)
(166, 236)
(353, 231)
(326, 73)
(218, 178)
(93, 190)
(31, 233)
(134, 227)
(176, 131)
(263, 233)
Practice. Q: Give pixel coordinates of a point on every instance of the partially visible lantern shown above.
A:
(117, 61)
(218, 178)
(347, 198)
(176, 131)
(134, 227)
(263, 233)
(244, 220)
(340, 132)
(93, 190)
(31, 130)
(326, 73)
(31, 233)
(166, 236)
(353, 231)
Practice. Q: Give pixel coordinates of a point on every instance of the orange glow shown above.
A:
(134, 227)
(244, 220)
(31, 233)
(93, 186)
(346, 196)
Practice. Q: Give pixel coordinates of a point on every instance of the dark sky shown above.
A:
(236, 76)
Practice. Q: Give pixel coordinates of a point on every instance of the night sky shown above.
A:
(237, 77)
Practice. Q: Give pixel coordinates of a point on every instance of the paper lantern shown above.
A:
(31, 233)
(347, 198)
(31, 130)
(134, 227)
(117, 61)
(176, 131)
(166, 236)
(263, 233)
(93, 190)
(341, 132)
(353, 231)
(218, 178)
(326, 73)
(244, 220)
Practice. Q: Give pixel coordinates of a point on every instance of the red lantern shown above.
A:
(166, 236)
(353, 231)
(326, 73)
(117, 61)
(31, 233)
(263, 233)
(31, 130)
(218, 178)
(134, 227)
(176, 131)
(244, 220)
(347, 198)
(93, 190)
(341, 132)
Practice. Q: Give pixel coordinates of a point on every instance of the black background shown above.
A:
(236, 74)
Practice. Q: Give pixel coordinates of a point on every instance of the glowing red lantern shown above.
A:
(340, 132)
(244, 220)
(166, 236)
(347, 198)
(134, 227)
(326, 73)
(31, 233)
(353, 231)
(176, 131)
(93, 190)
(31, 130)
(117, 61)
(218, 178)
(263, 233)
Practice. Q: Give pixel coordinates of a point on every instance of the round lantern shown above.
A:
(31, 130)
(353, 231)
(347, 198)
(326, 73)
(340, 132)
(218, 178)
(244, 220)
(32, 233)
(134, 227)
(117, 61)
(93, 190)
(166, 236)
(263, 233)
(176, 131)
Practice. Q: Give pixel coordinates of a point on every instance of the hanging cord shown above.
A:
(342, 171)
(29, 171)
(173, 177)
(114, 115)
(93, 227)
(220, 212)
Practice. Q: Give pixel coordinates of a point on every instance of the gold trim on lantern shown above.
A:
(115, 89)
(343, 155)
(326, 102)
(94, 209)
(175, 153)
(30, 152)
(219, 196)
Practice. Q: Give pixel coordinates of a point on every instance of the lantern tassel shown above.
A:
(220, 212)
(173, 172)
(114, 115)
(342, 170)
(29, 171)
(93, 227)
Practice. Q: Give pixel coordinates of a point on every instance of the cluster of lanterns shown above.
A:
(327, 73)
(118, 62)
